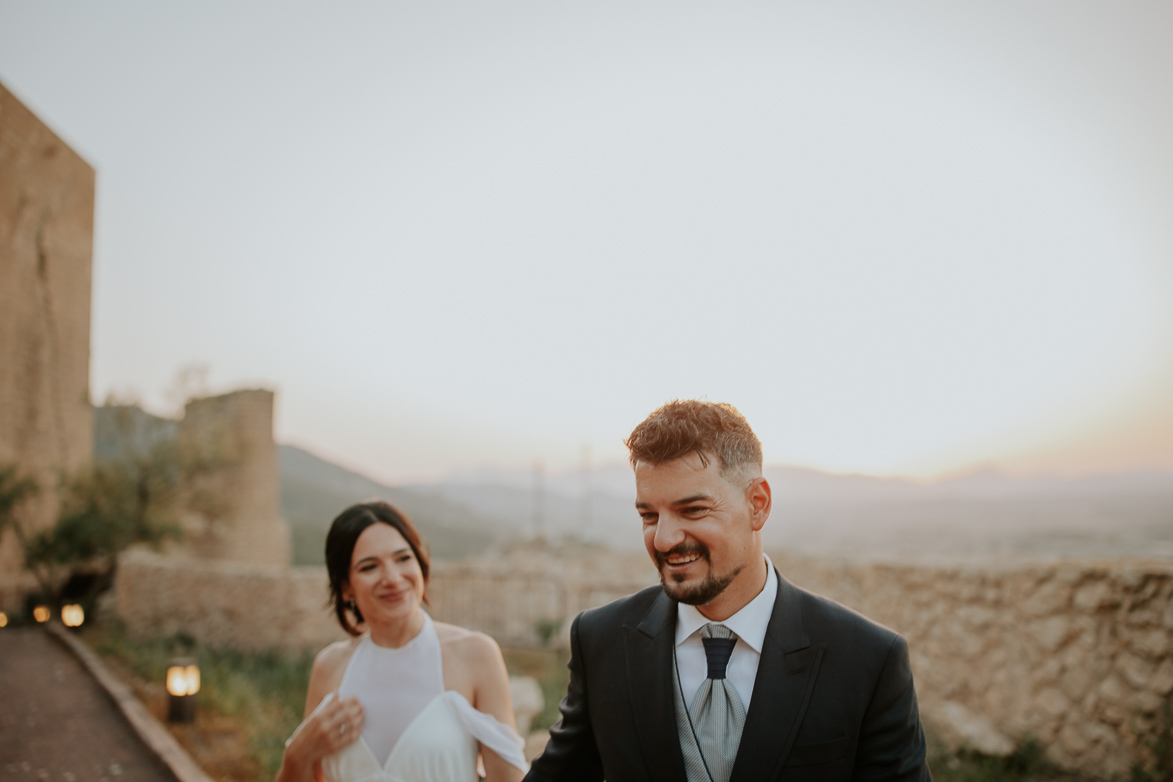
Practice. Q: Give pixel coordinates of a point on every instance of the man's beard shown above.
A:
(707, 590)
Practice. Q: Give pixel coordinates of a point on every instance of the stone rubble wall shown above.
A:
(1078, 655)
(526, 599)
(46, 247)
(1074, 654)
(240, 605)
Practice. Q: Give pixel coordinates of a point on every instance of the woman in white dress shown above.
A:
(406, 699)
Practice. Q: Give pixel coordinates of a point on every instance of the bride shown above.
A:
(409, 699)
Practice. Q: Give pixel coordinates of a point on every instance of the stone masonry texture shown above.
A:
(1077, 654)
(46, 246)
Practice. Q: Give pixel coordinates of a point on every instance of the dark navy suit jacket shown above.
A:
(833, 699)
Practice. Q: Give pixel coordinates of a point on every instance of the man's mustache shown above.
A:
(682, 550)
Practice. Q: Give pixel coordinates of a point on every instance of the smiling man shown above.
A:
(726, 671)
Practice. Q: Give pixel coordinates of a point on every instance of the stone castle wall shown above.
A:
(242, 605)
(46, 246)
(233, 509)
(1076, 654)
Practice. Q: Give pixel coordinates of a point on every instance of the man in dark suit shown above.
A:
(726, 672)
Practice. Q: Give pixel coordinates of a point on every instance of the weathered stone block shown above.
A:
(1144, 614)
(1113, 691)
(1148, 702)
(1045, 673)
(1049, 598)
(1137, 671)
(1076, 682)
(1073, 740)
(1052, 632)
(1151, 642)
(1095, 595)
(1162, 681)
(964, 728)
(1167, 614)
(1053, 702)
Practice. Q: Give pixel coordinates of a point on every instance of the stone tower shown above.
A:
(233, 503)
(46, 247)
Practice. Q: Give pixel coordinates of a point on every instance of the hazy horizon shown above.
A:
(565, 480)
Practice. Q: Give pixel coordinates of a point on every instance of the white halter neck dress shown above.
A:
(413, 729)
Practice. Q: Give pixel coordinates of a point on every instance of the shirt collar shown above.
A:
(749, 623)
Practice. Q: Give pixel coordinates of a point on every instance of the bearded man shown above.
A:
(726, 672)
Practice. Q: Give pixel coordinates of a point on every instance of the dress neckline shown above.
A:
(415, 640)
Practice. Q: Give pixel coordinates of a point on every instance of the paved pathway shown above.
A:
(57, 723)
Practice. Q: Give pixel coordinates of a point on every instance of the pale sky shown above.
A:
(903, 238)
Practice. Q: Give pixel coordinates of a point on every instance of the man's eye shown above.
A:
(649, 518)
(693, 511)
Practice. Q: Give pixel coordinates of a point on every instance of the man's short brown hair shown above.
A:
(708, 428)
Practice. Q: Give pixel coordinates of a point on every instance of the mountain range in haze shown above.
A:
(981, 514)
(817, 513)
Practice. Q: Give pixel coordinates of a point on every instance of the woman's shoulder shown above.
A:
(334, 658)
(326, 673)
(474, 667)
(470, 646)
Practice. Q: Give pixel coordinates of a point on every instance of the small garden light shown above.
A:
(41, 614)
(3, 619)
(183, 682)
(72, 615)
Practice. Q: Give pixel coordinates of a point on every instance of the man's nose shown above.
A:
(668, 533)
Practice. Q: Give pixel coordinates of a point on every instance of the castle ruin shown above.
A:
(46, 248)
(232, 508)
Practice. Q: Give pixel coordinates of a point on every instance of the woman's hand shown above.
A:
(332, 726)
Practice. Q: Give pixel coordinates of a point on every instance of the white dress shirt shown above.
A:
(749, 624)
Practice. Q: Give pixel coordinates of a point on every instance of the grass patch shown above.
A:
(248, 703)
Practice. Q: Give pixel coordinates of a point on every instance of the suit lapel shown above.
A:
(781, 692)
(648, 648)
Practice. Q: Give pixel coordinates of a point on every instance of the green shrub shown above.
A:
(264, 692)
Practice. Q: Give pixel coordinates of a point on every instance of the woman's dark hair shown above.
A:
(340, 540)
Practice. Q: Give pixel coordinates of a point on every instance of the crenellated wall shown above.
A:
(1076, 654)
(46, 244)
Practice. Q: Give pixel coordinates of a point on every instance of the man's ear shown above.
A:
(760, 500)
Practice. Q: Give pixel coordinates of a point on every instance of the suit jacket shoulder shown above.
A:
(628, 610)
(834, 693)
(829, 622)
